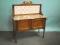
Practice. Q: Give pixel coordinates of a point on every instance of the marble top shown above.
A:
(22, 17)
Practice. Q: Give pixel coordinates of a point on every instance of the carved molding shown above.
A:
(27, 2)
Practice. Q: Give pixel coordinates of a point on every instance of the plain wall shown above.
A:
(50, 8)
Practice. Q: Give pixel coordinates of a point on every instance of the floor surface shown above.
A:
(30, 38)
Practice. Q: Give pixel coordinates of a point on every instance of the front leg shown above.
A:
(14, 36)
(14, 32)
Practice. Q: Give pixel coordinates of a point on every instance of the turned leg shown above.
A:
(43, 32)
(39, 32)
(14, 36)
(14, 32)
(44, 27)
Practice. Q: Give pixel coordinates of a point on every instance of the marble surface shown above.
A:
(27, 9)
(22, 17)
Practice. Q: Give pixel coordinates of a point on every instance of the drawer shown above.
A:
(23, 25)
(38, 23)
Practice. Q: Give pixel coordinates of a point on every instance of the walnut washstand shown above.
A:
(27, 17)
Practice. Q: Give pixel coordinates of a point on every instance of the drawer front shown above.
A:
(23, 25)
(38, 23)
